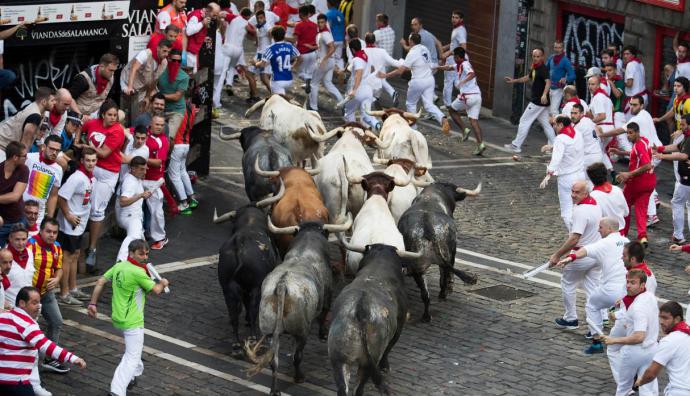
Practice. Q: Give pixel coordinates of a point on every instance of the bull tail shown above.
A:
(261, 361)
(362, 318)
(255, 107)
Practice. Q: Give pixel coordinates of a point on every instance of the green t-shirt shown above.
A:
(617, 102)
(130, 285)
(181, 83)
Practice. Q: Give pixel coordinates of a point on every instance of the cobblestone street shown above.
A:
(474, 345)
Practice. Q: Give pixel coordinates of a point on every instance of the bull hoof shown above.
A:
(237, 350)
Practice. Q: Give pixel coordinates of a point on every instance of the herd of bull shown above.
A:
(276, 264)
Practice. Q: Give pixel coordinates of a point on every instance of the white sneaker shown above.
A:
(41, 391)
(509, 146)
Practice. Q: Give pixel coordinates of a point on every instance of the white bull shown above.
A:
(375, 224)
(338, 194)
(402, 141)
(400, 199)
(299, 129)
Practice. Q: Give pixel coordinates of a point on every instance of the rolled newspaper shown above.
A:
(535, 271)
(597, 329)
(156, 275)
(158, 184)
(343, 102)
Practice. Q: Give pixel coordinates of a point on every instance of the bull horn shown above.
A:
(402, 183)
(339, 227)
(470, 193)
(408, 255)
(223, 218)
(414, 116)
(254, 108)
(379, 143)
(281, 230)
(232, 136)
(380, 161)
(271, 200)
(315, 170)
(377, 113)
(348, 246)
(262, 172)
(351, 179)
(421, 183)
(322, 138)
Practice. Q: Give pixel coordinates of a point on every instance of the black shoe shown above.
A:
(236, 78)
(54, 366)
(307, 88)
(396, 99)
(92, 270)
(132, 383)
(613, 177)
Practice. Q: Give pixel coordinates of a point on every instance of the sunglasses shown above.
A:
(175, 60)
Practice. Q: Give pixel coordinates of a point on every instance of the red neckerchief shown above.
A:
(684, 60)
(606, 187)
(635, 59)
(44, 159)
(588, 200)
(20, 258)
(5, 282)
(628, 300)
(83, 170)
(101, 83)
(535, 65)
(615, 60)
(558, 58)
(138, 264)
(574, 99)
(682, 327)
(54, 118)
(568, 131)
(679, 99)
(614, 78)
(686, 133)
(326, 29)
(461, 23)
(371, 45)
(601, 91)
(362, 55)
(642, 267)
(43, 243)
(33, 228)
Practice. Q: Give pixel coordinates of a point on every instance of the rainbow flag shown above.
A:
(40, 184)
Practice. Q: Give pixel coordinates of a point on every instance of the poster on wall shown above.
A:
(676, 5)
(64, 12)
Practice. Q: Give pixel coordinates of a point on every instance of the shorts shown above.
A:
(471, 102)
(260, 70)
(69, 243)
(279, 87)
(102, 191)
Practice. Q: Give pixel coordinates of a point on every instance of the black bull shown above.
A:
(245, 259)
(428, 226)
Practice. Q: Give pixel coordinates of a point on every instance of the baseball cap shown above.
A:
(593, 71)
(74, 117)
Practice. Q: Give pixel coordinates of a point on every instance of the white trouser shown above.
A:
(622, 139)
(131, 365)
(177, 171)
(592, 158)
(323, 75)
(565, 185)
(555, 98)
(281, 86)
(134, 225)
(634, 360)
(534, 113)
(338, 55)
(584, 270)
(651, 206)
(102, 191)
(423, 88)
(614, 351)
(232, 56)
(387, 87)
(307, 66)
(602, 298)
(34, 377)
(449, 79)
(680, 200)
(362, 100)
(155, 205)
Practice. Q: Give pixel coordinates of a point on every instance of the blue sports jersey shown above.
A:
(336, 21)
(281, 55)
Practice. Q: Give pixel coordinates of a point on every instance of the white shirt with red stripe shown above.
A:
(20, 341)
(600, 103)
(635, 70)
(568, 106)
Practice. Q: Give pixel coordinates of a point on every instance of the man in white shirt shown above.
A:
(608, 253)
(5, 267)
(570, 98)
(634, 258)
(638, 313)
(601, 110)
(380, 61)
(682, 49)
(129, 205)
(263, 21)
(362, 94)
(584, 231)
(74, 200)
(22, 272)
(592, 147)
(233, 51)
(57, 116)
(458, 38)
(673, 352)
(385, 35)
(136, 147)
(139, 78)
(419, 61)
(634, 78)
(610, 198)
(469, 98)
(566, 163)
(45, 177)
(325, 64)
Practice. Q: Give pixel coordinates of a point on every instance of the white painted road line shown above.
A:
(172, 358)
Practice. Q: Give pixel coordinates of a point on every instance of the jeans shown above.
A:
(51, 313)
(7, 78)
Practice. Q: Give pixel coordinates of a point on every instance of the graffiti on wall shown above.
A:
(585, 37)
